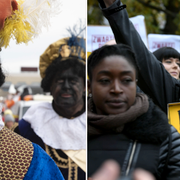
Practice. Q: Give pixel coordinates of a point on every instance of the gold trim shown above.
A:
(73, 170)
(63, 163)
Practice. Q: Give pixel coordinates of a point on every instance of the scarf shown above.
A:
(101, 124)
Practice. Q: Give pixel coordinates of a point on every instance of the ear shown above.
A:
(136, 81)
(89, 86)
(51, 88)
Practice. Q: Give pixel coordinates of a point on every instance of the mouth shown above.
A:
(116, 103)
(174, 73)
(66, 95)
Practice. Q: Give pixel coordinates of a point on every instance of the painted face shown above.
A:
(113, 85)
(172, 65)
(67, 89)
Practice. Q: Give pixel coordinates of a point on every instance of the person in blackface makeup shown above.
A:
(60, 127)
(159, 71)
(22, 159)
(124, 125)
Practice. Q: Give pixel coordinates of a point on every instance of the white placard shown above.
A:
(157, 41)
(99, 35)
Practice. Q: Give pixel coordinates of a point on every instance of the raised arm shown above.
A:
(154, 80)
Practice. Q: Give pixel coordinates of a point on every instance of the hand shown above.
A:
(110, 170)
(108, 2)
(140, 174)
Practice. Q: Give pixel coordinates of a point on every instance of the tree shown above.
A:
(161, 16)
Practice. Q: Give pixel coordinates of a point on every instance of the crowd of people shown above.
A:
(115, 129)
(128, 134)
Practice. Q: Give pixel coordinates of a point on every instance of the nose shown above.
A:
(175, 65)
(116, 87)
(66, 84)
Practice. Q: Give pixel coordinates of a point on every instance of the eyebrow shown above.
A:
(72, 77)
(108, 72)
(178, 60)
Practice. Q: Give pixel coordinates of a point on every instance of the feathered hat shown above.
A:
(66, 48)
(23, 20)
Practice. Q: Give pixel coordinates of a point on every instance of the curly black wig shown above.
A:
(57, 65)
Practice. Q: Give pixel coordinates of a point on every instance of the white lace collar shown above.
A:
(56, 131)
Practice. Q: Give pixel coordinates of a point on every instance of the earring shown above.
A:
(90, 95)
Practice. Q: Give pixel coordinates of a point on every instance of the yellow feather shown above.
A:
(27, 22)
(16, 27)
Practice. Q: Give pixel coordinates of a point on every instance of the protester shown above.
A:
(21, 159)
(124, 125)
(170, 58)
(60, 127)
(154, 79)
(112, 42)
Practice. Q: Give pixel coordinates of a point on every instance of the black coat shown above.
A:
(156, 147)
(153, 79)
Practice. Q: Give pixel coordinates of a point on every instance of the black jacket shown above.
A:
(153, 79)
(150, 141)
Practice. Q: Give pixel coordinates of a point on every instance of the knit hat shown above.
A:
(8, 117)
(8, 111)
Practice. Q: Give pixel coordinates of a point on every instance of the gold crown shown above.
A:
(60, 48)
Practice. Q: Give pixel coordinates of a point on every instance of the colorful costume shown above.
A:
(56, 135)
(64, 139)
(21, 159)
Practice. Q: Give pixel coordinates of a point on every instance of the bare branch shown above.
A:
(157, 8)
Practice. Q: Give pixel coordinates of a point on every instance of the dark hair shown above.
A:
(2, 76)
(166, 53)
(109, 50)
(57, 65)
